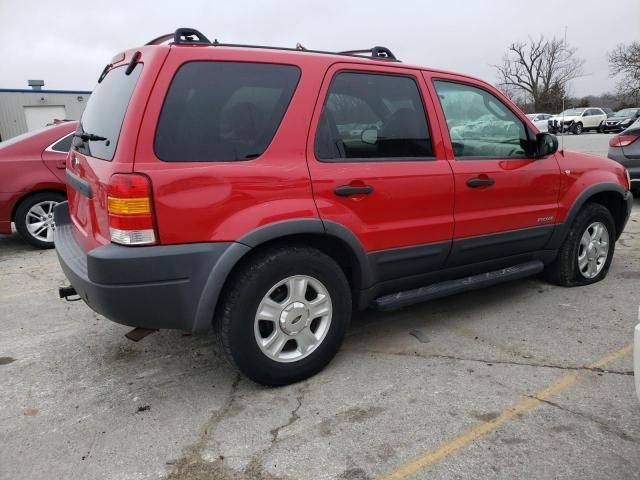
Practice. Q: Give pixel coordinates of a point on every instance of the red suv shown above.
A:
(269, 192)
(32, 181)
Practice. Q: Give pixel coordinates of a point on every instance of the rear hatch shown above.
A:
(106, 138)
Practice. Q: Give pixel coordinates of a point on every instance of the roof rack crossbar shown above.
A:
(190, 36)
(376, 52)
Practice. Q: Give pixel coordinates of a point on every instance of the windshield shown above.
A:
(572, 112)
(99, 127)
(627, 112)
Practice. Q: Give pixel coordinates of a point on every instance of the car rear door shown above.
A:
(506, 200)
(55, 155)
(378, 168)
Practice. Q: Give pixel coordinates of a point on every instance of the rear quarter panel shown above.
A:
(221, 201)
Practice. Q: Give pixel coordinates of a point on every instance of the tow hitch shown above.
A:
(69, 294)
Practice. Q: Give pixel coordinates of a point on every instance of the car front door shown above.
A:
(506, 200)
(378, 168)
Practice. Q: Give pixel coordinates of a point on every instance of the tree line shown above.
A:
(536, 75)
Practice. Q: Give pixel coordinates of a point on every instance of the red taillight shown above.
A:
(130, 210)
(622, 140)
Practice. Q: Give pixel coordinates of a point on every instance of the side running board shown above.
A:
(451, 287)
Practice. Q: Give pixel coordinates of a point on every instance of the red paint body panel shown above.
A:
(26, 168)
(413, 203)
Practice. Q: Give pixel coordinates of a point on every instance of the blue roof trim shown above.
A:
(24, 90)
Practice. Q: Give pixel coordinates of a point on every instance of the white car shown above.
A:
(577, 120)
(540, 120)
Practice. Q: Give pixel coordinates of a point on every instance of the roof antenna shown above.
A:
(299, 46)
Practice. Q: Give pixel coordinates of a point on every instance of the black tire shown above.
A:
(577, 129)
(22, 213)
(564, 270)
(250, 285)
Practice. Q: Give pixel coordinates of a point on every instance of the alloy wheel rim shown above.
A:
(293, 318)
(40, 223)
(593, 250)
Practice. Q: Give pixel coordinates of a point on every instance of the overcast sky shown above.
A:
(67, 43)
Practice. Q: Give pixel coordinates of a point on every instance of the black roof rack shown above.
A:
(191, 36)
(376, 52)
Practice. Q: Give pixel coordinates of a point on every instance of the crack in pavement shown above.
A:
(192, 454)
(503, 362)
(603, 424)
(294, 417)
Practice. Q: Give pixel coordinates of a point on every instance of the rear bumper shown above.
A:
(157, 287)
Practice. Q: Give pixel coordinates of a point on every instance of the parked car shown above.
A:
(620, 120)
(540, 120)
(624, 148)
(217, 186)
(32, 171)
(577, 120)
(608, 111)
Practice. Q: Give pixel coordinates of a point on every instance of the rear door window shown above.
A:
(223, 111)
(105, 112)
(372, 116)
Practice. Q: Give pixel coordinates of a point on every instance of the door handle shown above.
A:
(61, 164)
(347, 190)
(477, 182)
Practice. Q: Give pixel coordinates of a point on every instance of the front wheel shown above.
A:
(285, 314)
(586, 254)
(34, 218)
(577, 129)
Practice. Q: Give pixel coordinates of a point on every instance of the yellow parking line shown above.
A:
(430, 457)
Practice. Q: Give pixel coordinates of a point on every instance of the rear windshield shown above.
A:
(105, 111)
(223, 111)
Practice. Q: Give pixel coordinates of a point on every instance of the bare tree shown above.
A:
(625, 61)
(540, 70)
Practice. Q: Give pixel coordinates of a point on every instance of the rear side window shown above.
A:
(368, 115)
(63, 145)
(105, 112)
(223, 111)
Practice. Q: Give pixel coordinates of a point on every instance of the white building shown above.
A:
(30, 109)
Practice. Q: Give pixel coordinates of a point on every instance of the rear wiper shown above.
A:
(90, 137)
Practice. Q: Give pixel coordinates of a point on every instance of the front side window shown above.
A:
(223, 111)
(368, 115)
(480, 125)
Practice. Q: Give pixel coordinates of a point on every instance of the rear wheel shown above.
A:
(285, 315)
(586, 254)
(34, 218)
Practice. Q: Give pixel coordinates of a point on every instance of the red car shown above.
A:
(268, 193)
(32, 181)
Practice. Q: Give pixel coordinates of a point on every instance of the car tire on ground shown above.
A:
(577, 129)
(34, 218)
(284, 314)
(585, 255)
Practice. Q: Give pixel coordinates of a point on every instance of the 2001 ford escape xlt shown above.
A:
(268, 193)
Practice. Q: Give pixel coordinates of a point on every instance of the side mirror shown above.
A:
(369, 136)
(546, 144)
